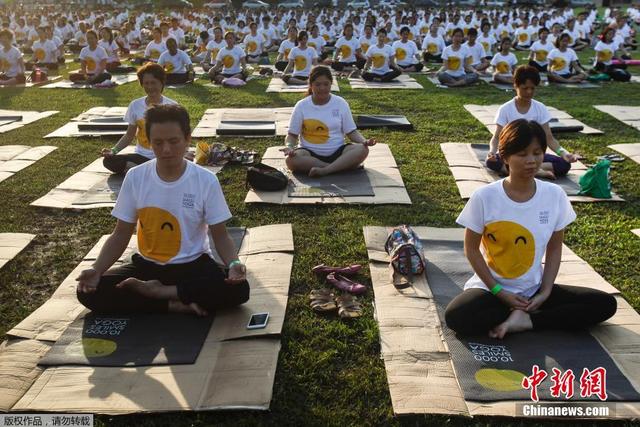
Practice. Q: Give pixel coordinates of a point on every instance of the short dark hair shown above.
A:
(524, 73)
(457, 30)
(518, 135)
(319, 71)
(472, 32)
(542, 30)
(560, 37)
(405, 29)
(165, 113)
(155, 70)
(7, 33)
(382, 31)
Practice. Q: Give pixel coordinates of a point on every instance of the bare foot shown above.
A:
(546, 174)
(316, 171)
(517, 321)
(149, 288)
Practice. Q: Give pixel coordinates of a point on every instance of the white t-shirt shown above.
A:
(347, 49)
(433, 45)
(380, 58)
(45, 52)
(508, 113)
(541, 52)
(454, 60)
(321, 128)
(486, 42)
(366, 43)
(477, 52)
(135, 116)
(561, 61)
(317, 43)
(302, 60)
(504, 64)
(405, 52)
(230, 59)
(81, 38)
(154, 50)
(605, 52)
(285, 48)
(175, 64)
(214, 47)
(9, 61)
(254, 45)
(524, 35)
(111, 49)
(172, 217)
(515, 235)
(92, 58)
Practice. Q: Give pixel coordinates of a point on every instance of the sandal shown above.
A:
(345, 284)
(348, 307)
(323, 269)
(322, 300)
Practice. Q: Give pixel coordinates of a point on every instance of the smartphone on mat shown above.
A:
(258, 321)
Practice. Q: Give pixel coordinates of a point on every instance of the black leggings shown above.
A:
(118, 163)
(177, 78)
(431, 58)
(540, 68)
(617, 72)
(339, 66)
(476, 311)
(200, 281)
(385, 78)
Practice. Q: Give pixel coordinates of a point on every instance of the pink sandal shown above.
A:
(323, 269)
(345, 284)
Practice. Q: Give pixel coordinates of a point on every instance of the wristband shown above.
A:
(561, 151)
(496, 288)
(114, 150)
(234, 263)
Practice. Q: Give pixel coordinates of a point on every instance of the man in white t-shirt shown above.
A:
(11, 63)
(177, 64)
(175, 205)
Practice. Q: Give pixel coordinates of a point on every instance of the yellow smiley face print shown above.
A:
(604, 55)
(228, 61)
(365, 47)
(326, 37)
(410, 36)
(453, 63)
(214, 54)
(300, 62)
(401, 54)
(286, 53)
(432, 48)
(252, 46)
(345, 51)
(541, 55)
(91, 65)
(377, 60)
(4, 64)
(311, 44)
(155, 53)
(558, 64)
(424, 30)
(40, 54)
(510, 248)
(159, 235)
(142, 134)
(486, 46)
(502, 67)
(168, 67)
(91, 347)
(522, 37)
(314, 131)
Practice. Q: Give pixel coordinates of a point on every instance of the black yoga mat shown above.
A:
(343, 184)
(492, 370)
(97, 126)
(572, 188)
(558, 126)
(386, 121)
(246, 128)
(130, 340)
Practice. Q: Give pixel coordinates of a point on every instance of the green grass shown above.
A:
(329, 371)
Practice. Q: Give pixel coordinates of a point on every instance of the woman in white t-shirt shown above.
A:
(381, 66)
(511, 225)
(523, 106)
(253, 44)
(301, 59)
(368, 39)
(93, 62)
(174, 205)
(152, 78)
(176, 64)
(504, 62)
(432, 45)
(108, 43)
(316, 140)
(605, 52)
(456, 69)
(230, 62)
(155, 47)
(213, 47)
(406, 53)
(348, 56)
(540, 51)
(11, 62)
(487, 39)
(317, 42)
(282, 60)
(563, 63)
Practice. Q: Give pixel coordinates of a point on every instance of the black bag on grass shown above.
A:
(263, 177)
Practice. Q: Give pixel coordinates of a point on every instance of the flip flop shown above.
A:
(322, 300)
(348, 307)
(345, 284)
(324, 269)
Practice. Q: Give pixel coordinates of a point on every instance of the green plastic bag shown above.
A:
(595, 182)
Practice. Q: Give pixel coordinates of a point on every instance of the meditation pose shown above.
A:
(479, 57)
(523, 106)
(457, 70)
(253, 44)
(230, 61)
(563, 63)
(406, 53)
(282, 60)
(152, 78)
(381, 65)
(433, 45)
(504, 63)
(517, 221)
(155, 47)
(319, 122)
(175, 204)
(348, 56)
(301, 58)
(176, 63)
(605, 53)
(93, 62)
(540, 51)
(11, 62)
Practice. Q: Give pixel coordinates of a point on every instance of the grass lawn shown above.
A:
(329, 371)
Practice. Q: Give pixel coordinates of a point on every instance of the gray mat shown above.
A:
(491, 370)
(105, 191)
(130, 340)
(344, 184)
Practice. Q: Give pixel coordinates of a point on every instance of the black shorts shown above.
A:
(327, 159)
